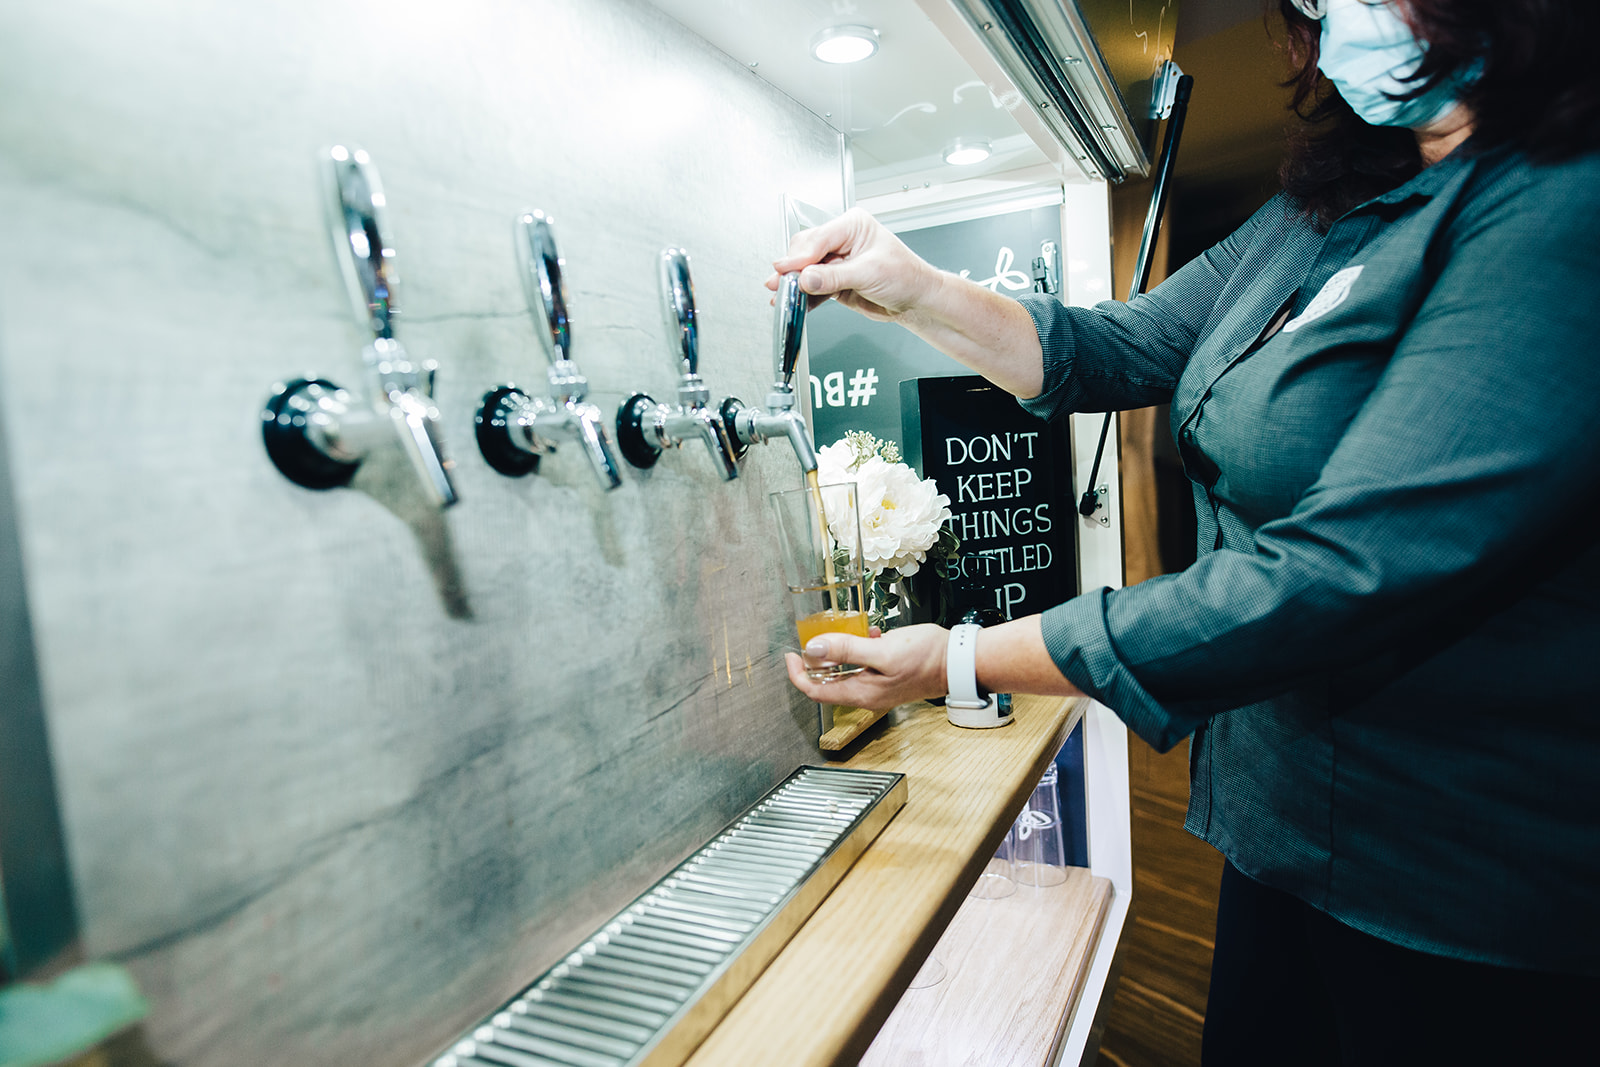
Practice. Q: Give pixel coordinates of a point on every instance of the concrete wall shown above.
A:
(338, 774)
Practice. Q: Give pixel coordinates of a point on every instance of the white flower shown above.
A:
(833, 463)
(901, 516)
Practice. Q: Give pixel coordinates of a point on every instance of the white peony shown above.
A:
(833, 463)
(901, 514)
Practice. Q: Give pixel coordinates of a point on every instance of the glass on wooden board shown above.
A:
(819, 544)
(999, 877)
(1040, 855)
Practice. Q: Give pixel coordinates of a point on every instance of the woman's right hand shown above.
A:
(859, 263)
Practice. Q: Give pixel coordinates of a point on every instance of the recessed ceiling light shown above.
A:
(845, 44)
(966, 153)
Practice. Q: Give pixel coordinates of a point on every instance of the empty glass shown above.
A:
(1041, 856)
(999, 877)
(931, 973)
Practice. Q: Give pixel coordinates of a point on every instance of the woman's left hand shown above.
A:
(904, 664)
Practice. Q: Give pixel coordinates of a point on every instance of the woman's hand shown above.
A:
(860, 264)
(906, 664)
(866, 268)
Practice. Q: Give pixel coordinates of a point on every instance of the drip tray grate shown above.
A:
(649, 986)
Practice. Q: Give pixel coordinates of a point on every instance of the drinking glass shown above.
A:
(819, 544)
(1041, 855)
(999, 877)
(931, 973)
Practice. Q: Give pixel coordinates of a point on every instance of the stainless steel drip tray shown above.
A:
(652, 983)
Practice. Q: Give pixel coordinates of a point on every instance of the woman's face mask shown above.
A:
(1367, 51)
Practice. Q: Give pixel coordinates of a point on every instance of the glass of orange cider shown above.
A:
(819, 544)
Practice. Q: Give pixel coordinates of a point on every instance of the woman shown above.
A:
(1384, 389)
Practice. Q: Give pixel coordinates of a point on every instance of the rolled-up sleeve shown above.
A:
(1476, 450)
(1115, 356)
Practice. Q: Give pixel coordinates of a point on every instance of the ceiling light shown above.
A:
(966, 153)
(845, 44)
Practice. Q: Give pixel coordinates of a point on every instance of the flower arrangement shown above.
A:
(903, 517)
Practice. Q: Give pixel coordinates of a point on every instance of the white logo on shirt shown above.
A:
(1331, 296)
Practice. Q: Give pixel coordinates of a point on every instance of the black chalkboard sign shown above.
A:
(1009, 479)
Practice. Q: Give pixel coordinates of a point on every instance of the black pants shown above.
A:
(1291, 986)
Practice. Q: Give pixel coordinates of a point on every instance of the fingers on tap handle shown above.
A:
(835, 238)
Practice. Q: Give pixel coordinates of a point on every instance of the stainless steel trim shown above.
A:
(570, 1035)
(649, 985)
(559, 1051)
(549, 1014)
(618, 950)
(1049, 52)
(648, 1020)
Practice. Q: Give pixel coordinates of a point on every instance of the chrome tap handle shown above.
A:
(317, 434)
(514, 431)
(357, 216)
(357, 221)
(787, 328)
(677, 297)
(646, 427)
(540, 266)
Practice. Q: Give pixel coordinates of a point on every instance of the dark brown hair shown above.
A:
(1532, 86)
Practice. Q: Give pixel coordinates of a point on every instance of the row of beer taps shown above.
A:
(317, 434)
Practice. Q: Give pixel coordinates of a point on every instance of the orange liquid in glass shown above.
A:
(832, 622)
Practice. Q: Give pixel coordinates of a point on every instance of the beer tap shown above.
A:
(646, 427)
(748, 426)
(513, 429)
(318, 434)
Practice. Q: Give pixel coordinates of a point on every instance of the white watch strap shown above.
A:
(961, 668)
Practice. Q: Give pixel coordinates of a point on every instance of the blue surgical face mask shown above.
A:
(1367, 51)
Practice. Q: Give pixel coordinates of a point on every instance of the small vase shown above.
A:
(890, 606)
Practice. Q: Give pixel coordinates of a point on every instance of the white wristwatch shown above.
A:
(961, 669)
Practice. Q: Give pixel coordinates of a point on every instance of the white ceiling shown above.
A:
(901, 107)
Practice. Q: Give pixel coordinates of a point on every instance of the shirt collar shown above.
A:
(1425, 185)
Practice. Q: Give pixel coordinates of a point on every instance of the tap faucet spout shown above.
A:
(799, 435)
(514, 430)
(702, 422)
(590, 423)
(748, 426)
(646, 427)
(318, 434)
(417, 421)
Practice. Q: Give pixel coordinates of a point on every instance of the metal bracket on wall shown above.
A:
(1164, 93)
(1101, 513)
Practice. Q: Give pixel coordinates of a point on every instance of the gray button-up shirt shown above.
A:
(1388, 649)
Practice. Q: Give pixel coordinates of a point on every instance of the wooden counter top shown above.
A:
(832, 987)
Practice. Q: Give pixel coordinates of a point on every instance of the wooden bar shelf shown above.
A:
(826, 996)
